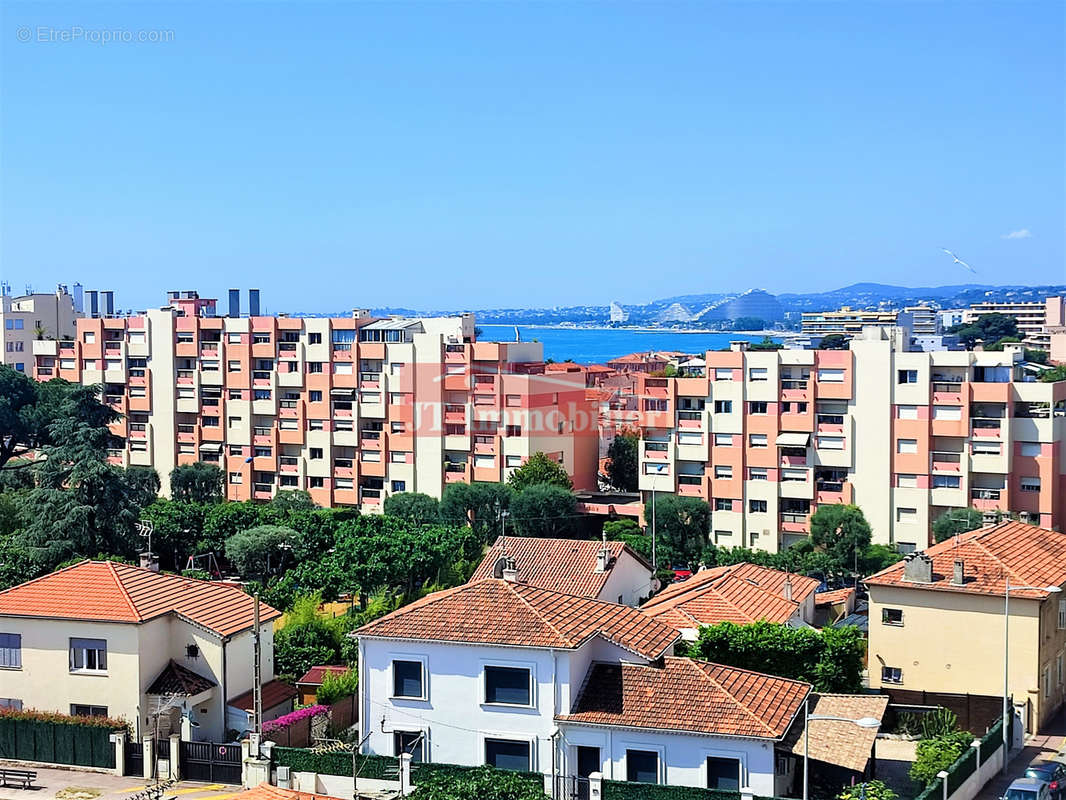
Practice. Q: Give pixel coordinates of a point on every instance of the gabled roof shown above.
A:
(275, 693)
(842, 744)
(314, 676)
(683, 694)
(1024, 554)
(493, 611)
(558, 565)
(834, 596)
(740, 593)
(178, 680)
(106, 591)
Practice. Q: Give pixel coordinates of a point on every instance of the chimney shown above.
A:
(788, 587)
(603, 559)
(149, 560)
(510, 571)
(958, 575)
(235, 303)
(738, 347)
(253, 302)
(918, 568)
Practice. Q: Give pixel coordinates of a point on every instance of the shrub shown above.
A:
(871, 790)
(33, 715)
(294, 717)
(938, 753)
(484, 783)
(336, 686)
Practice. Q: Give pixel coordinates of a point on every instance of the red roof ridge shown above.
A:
(514, 590)
(122, 589)
(40, 578)
(701, 664)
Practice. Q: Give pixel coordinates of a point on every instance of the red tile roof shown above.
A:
(683, 694)
(313, 676)
(265, 791)
(558, 565)
(1025, 554)
(496, 612)
(110, 592)
(178, 680)
(740, 593)
(275, 693)
(835, 596)
(842, 744)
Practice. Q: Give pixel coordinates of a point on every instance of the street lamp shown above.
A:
(808, 717)
(1006, 658)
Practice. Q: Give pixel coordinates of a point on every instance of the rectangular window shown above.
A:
(721, 374)
(946, 481)
(512, 461)
(723, 774)
(399, 486)
(891, 616)
(342, 367)
(508, 685)
(233, 366)
(1062, 615)
(723, 537)
(757, 440)
(905, 481)
(79, 710)
(1029, 449)
(891, 675)
(829, 442)
(233, 338)
(907, 376)
(723, 504)
(950, 413)
(723, 471)
(723, 406)
(985, 448)
(90, 336)
(314, 338)
(316, 425)
(907, 516)
(88, 655)
(409, 742)
(757, 506)
(11, 702)
(1047, 681)
(407, 680)
(316, 483)
(906, 412)
(1030, 484)
(723, 440)
(757, 407)
(831, 375)
(642, 766)
(757, 374)
(1058, 669)
(758, 474)
(907, 446)
(236, 479)
(263, 452)
(314, 367)
(507, 754)
(10, 651)
(689, 437)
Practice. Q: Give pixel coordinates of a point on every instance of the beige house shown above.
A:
(162, 652)
(936, 624)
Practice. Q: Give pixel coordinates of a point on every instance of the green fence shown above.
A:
(966, 764)
(626, 790)
(56, 743)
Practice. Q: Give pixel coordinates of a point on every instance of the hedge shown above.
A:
(418, 770)
(966, 763)
(626, 790)
(70, 742)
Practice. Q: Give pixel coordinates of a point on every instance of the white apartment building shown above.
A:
(29, 317)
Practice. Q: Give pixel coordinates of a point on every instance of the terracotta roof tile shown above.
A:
(112, 592)
(313, 676)
(740, 593)
(265, 791)
(842, 744)
(495, 611)
(835, 596)
(275, 693)
(558, 565)
(179, 680)
(687, 695)
(1026, 554)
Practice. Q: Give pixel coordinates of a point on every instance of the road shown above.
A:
(68, 784)
(1037, 748)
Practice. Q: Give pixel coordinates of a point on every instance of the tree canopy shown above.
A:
(682, 528)
(623, 463)
(262, 551)
(842, 533)
(196, 483)
(956, 520)
(986, 328)
(414, 507)
(540, 469)
(544, 510)
(833, 341)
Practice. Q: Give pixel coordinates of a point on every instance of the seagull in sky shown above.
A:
(959, 260)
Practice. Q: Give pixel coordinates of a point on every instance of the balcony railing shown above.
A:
(371, 435)
(830, 486)
(830, 419)
(258, 431)
(343, 463)
(289, 461)
(454, 466)
(792, 517)
(793, 384)
(948, 387)
(985, 494)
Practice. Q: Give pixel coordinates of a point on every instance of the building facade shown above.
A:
(767, 437)
(349, 409)
(25, 319)
(1033, 318)
(850, 321)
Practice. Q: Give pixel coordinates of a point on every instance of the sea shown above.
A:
(597, 345)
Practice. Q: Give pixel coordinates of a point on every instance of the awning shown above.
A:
(211, 447)
(178, 680)
(793, 439)
(348, 393)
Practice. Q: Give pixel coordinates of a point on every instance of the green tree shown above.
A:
(877, 557)
(478, 505)
(682, 527)
(938, 753)
(307, 639)
(767, 344)
(986, 328)
(261, 551)
(414, 507)
(1053, 375)
(997, 347)
(27, 410)
(539, 469)
(292, 500)
(833, 341)
(869, 790)
(1036, 356)
(956, 520)
(841, 532)
(623, 462)
(544, 510)
(196, 483)
(484, 783)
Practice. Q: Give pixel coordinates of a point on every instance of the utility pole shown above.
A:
(654, 563)
(257, 676)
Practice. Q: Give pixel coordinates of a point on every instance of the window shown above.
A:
(514, 430)
(409, 742)
(10, 651)
(642, 766)
(757, 374)
(316, 453)
(507, 754)
(79, 710)
(209, 422)
(236, 450)
(1030, 484)
(1047, 681)
(722, 504)
(907, 376)
(952, 413)
(757, 506)
(985, 448)
(757, 407)
(11, 702)
(723, 374)
(342, 367)
(508, 685)
(90, 336)
(799, 475)
(907, 515)
(757, 440)
(316, 425)
(407, 680)
(831, 375)
(906, 481)
(1029, 449)
(233, 338)
(512, 461)
(723, 406)
(314, 367)
(723, 440)
(1062, 615)
(1058, 669)
(399, 486)
(689, 437)
(236, 479)
(946, 481)
(315, 483)
(723, 472)
(261, 394)
(263, 452)
(891, 616)
(906, 412)
(233, 366)
(907, 446)
(757, 474)
(88, 655)
(723, 774)
(891, 675)
(314, 338)
(829, 443)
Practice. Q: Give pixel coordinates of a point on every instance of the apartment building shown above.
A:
(1033, 319)
(925, 320)
(767, 437)
(850, 321)
(349, 409)
(31, 316)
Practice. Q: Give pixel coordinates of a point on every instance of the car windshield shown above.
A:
(1021, 794)
(1040, 770)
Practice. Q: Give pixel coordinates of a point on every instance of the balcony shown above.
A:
(947, 392)
(659, 451)
(369, 380)
(690, 420)
(985, 427)
(261, 378)
(988, 499)
(185, 377)
(793, 461)
(289, 464)
(370, 496)
(946, 462)
(262, 491)
(793, 522)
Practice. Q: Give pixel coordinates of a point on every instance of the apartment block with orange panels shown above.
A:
(765, 437)
(350, 409)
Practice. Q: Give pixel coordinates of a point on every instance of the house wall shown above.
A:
(628, 583)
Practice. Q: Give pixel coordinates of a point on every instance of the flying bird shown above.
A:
(959, 260)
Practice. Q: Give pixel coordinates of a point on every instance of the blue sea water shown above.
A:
(595, 346)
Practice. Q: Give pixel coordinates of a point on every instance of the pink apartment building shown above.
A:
(350, 409)
(767, 437)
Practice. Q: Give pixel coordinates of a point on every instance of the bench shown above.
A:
(24, 776)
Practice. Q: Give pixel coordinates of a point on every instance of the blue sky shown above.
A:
(475, 154)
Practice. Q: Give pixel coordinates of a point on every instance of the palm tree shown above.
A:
(39, 332)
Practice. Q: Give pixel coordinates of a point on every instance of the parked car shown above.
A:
(1028, 789)
(1053, 773)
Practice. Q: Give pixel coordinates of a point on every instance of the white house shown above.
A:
(610, 571)
(160, 651)
(500, 672)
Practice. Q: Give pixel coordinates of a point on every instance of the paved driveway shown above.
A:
(67, 784)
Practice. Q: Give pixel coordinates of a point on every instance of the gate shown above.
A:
(134, 762)
(214, 762)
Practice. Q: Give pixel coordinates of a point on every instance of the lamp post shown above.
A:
(808, 717)
(1007, 587)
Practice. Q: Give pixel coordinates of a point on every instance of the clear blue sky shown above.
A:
(508, 154)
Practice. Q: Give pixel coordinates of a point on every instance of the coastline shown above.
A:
(633, 329)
